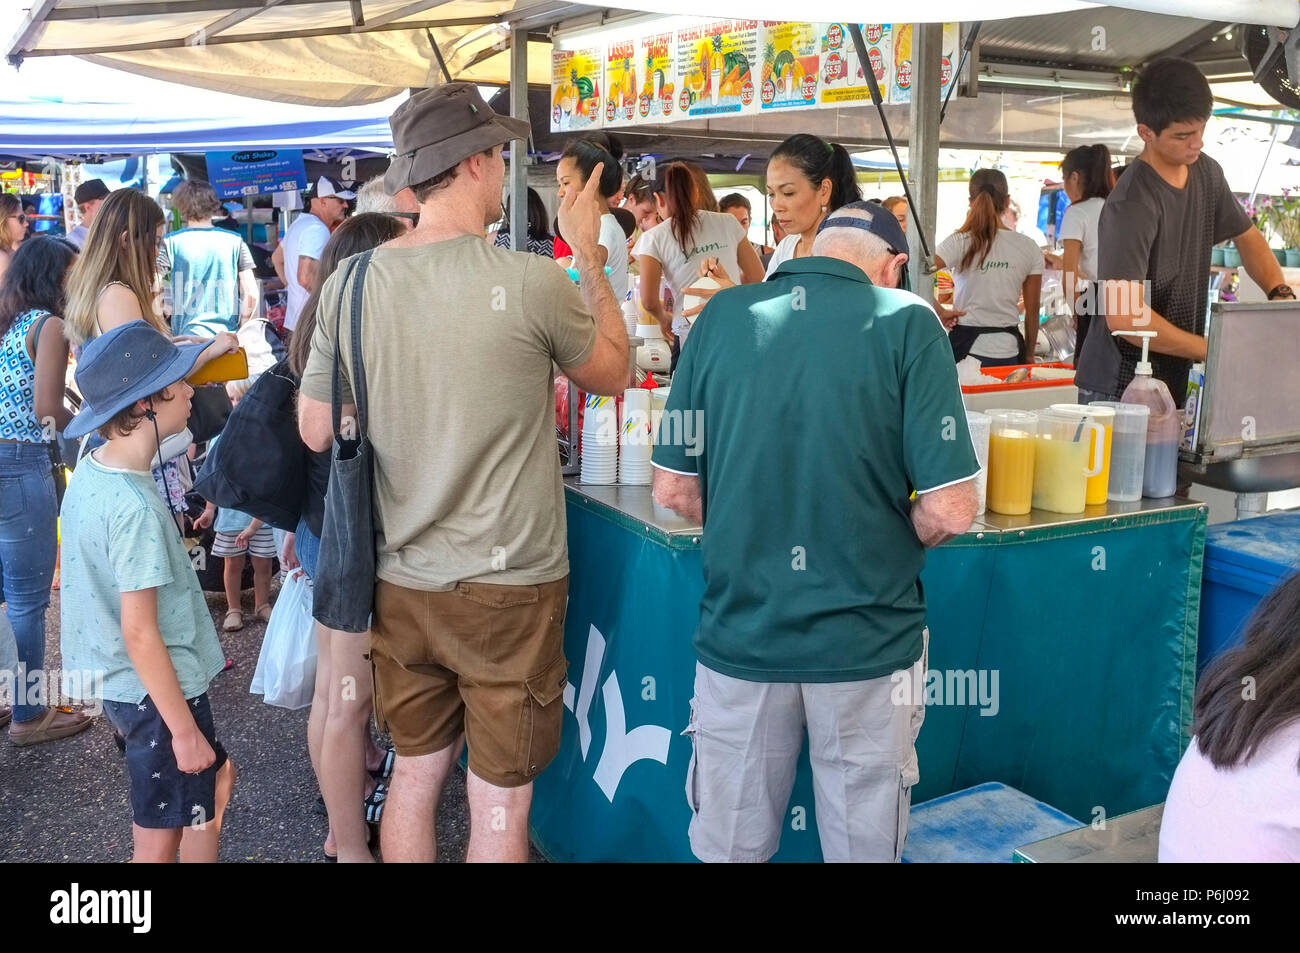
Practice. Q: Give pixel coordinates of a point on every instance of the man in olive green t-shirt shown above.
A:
(804, 412)
(458, 343)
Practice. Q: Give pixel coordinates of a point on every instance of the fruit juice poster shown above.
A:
(900, 88)
(575, 89)
(657, 102)
(717, 63)
(622, 67)
(791, 65)
(843, 80)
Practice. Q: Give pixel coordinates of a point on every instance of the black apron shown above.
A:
(962, 338)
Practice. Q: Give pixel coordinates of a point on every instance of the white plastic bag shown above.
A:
(286, 667)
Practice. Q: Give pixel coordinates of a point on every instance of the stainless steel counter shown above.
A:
(634, 503)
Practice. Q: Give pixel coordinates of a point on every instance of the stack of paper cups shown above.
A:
(634, 438)
(631, 315)
(599, 440)
(658, 400)
(980, 425)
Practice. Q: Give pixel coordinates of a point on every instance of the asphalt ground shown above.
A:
(66, 800)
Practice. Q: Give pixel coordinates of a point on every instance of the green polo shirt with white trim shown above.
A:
(811, 405)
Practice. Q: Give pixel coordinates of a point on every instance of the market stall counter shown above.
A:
(1062, 662)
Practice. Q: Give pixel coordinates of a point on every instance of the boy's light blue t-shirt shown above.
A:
(118, 536)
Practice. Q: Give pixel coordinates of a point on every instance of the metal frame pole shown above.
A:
(923, 151)
(519, 147)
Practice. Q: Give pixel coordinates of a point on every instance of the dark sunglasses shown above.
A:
(22, 218)
(412, 217)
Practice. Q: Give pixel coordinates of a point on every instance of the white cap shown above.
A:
(325, 187)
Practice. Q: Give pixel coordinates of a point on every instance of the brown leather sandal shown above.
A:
(263, 612)
(56, 723)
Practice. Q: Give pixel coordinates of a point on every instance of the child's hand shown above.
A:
(243, 538)
(193, 753)
(205, 518)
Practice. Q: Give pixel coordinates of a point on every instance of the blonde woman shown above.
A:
(13, 228)
(115, 282)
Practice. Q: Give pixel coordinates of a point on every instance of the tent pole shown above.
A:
(519, 147)
(923, 151)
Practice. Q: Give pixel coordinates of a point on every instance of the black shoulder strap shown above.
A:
(336, 405)
(358, 368)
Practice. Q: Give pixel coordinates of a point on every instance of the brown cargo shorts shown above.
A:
(482, 659)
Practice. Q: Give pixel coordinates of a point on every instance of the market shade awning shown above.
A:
(334, 52)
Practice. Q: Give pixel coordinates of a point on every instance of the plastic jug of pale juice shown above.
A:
(1128, 449)
(1063, 462)
(1164, 426)
(1099, 483)
(1011, 461)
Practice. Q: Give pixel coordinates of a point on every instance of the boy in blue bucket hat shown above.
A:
(132, 610)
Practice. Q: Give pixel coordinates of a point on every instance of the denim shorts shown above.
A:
(307, 547)
(161, 796)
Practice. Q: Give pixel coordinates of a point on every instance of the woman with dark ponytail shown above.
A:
(992, 267)
(1088, 178)
(807, 178)
(675, 249)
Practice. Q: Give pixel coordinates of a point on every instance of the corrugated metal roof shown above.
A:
(1106, 37)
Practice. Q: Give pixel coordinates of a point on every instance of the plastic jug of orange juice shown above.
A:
(1011, 461)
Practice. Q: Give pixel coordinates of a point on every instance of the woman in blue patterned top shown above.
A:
(33, 367)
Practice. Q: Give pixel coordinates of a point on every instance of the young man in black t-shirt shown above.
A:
(1155, 235)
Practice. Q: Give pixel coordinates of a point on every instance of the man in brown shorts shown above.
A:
(458, 341)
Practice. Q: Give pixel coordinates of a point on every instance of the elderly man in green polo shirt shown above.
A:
(804, 413)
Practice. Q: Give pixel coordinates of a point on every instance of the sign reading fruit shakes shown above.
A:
(717, 68)
(844, 79)
(576, 101)
(657, 102)
(790, 65)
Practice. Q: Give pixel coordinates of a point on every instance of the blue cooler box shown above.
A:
(1244, 561)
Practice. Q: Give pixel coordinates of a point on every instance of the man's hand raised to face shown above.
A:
(579, 215)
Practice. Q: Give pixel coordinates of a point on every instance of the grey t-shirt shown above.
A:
(1151, 231)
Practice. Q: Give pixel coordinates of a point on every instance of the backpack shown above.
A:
(259, 466)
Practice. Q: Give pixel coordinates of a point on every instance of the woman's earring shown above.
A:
(823, 209)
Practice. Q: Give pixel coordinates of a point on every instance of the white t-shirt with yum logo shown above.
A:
(716, 235)
(989, 293)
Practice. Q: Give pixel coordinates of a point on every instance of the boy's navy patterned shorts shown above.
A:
(161, 796)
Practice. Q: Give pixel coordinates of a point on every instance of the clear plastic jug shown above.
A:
(1099, 483)
(1128, 450)
(1067, 453)
(1011, 461)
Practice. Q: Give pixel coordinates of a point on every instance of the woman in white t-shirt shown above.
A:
(1235, 796)
(1088, 178)
(675, 249)
(992, 268)
(807, 179)
(576, 165)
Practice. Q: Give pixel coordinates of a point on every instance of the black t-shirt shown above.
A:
(1151, 231)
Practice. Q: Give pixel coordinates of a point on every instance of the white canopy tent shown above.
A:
(346, 52)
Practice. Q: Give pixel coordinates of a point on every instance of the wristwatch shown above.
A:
(1281, 291)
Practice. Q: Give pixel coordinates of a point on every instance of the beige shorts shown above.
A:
(747, 737)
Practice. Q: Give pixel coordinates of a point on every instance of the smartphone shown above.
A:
(227, 367)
